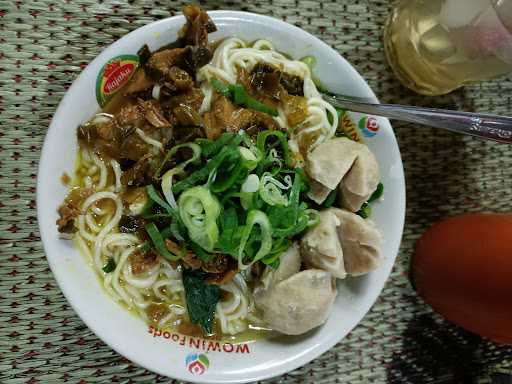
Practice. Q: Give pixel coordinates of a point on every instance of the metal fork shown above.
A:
(483, 125)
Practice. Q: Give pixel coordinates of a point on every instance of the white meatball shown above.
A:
(361, 181)
(342, 243)
(321, 247)
(344, 164)
(299, 303)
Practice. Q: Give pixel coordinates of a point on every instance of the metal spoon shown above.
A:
(486, 126)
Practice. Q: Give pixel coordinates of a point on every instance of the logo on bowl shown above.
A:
(369, 126)
(113, 75)
(349, 128)
(197, 364)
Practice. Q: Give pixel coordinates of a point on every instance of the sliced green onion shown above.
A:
(262, 139)
(240, 97)
(148, 207)
(110, 266)
(156, 216)
(365, 211)
(153, 195)
(199, 210)
(248, 189)
(159, 243)
(251, 183)
(167, 186)
(310, 61)
(278, 247)
(229, 225)
(176, 230)
(249, 158)
(203, 173)
(235, 176)
(200, 252)
(145, 247)
(314, 217)
(239, 94)
(196, 155)
(259, 106)
(209, 147)
(377, 194)
(270, 191)
(331, 198)
(259, 218)
(228, 172)
(166, 232)
(220, 87)
(168, 176)
(290, 220)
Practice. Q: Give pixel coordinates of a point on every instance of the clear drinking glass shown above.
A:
(436, 46)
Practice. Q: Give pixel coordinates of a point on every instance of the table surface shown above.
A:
(45, 44)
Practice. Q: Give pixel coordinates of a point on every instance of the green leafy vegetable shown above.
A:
(201, 299)
(159, 243)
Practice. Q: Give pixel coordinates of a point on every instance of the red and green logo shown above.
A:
(197, 364)
(114, 74)
(369, 126)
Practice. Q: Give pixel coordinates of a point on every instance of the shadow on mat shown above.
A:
(435, 351)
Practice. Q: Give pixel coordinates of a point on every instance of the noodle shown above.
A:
(111, 223)
(233, 313)
(158, 145)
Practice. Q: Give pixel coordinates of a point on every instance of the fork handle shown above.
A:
(486, 126)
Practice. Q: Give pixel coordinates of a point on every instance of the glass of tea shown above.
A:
(436, 46)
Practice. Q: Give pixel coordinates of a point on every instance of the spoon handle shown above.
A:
(486, 126)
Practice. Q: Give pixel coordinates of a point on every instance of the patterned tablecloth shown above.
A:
(45, 44)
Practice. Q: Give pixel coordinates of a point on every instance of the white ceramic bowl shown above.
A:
(193, 359)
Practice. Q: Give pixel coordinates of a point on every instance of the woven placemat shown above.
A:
(45, 44)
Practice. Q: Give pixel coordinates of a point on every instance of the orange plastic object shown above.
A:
(462, 267)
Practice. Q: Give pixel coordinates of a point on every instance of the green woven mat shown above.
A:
(45, 44)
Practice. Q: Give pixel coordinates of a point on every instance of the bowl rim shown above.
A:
(107, 338)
